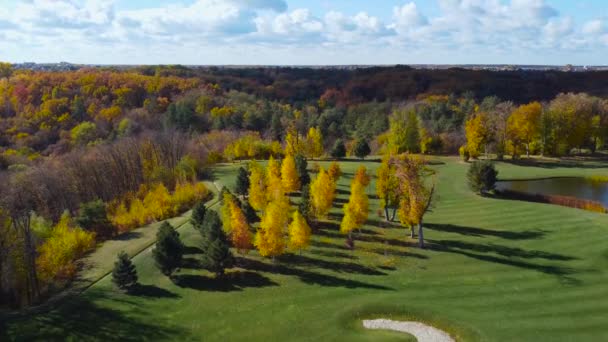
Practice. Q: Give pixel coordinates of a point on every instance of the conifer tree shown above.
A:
(216, 254)
(124, 274)
(169, 249)
(257, 187)
(250, 214)
(198, 214)
(361, 149)
(242, 182)
(339, 150)
(322, 193)
(302, 167)
(304, 205)
(299, 232)
(289, 175)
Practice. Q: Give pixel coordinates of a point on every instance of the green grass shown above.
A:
(495, 270)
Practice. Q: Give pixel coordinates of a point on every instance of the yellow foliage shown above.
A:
(240, 234)
(361, 176)
(228, 204)
(299, 232)
(322, 193)
(334, 171)
(289, 174)
(257, 187)
(270, 238)
(293, 145)
(66, 243)
(478, 133)
(314, 143)
(274, 185)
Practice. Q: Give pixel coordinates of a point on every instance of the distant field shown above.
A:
(494, 270)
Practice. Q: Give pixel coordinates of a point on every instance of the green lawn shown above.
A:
(494, 270)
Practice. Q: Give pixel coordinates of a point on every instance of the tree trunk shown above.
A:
(528, 150)
(394, 213)
(412, 233)
(420, 235)
(386, 213)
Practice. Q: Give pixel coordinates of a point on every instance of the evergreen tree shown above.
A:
(339, 150)
(169, 249)
(124, 274)
(481, 176)
(242, 182)
(250, 214)
(302, 168)
(216, 251)
(304, 206)
(361, 149)
(93, 217)
(198, 214)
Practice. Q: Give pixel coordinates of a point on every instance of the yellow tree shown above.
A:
(257, 187)
(416, 196)
(299, 232)
(270, 237)
(361, 176)
(356, 210)
(523, 126)
(314, 143)
(349, 222)
(322, 193)
(289, 174)
(386, 187)
(293, 145)
(274, 187)
(228, 203)
(240, 234)
(478, 133)
(334, 171)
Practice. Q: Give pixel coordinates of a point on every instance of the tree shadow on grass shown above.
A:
(333, 254)
(152, 291)
(336, 266)
(473, 250)
(127, 236)
(191, 263)
(233, 281)
(480, 232)
(82, 319)
(306, 276)
(395, 252)
(192, 250)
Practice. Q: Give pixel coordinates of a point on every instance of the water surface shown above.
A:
(572, 186)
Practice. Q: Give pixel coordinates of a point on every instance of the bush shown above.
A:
(124, 274)
(482, 176)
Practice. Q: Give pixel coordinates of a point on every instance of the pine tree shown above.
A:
(322, 193)
(299, 232)
(339, 150)
(304, 206)
(302, 167)
(198, 214)
(242, 182)
(257, 187)
(250, 214)
(289, 175)
(169, 249)
(124, 274)
(361, 149)
(216, 254)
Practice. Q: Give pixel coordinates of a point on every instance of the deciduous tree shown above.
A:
(299, 232)
(289, 174)
(322, 193)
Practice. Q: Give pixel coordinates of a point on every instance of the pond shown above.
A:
(570, 186)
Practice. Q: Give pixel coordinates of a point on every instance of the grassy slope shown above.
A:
(495, 270)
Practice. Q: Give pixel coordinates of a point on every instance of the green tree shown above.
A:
(339, 150)
(302, 168)
(242, 182)
(84, 133)
(169, 249)
(481, 176)
(124, 274)
(304, 205)
(216, 256)
(361, 149)
(198, 214)
(93, 217)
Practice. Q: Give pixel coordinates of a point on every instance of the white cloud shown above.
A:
(593, 27)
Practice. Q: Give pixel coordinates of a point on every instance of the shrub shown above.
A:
(124, 274)
(361, 149)
(482, 176)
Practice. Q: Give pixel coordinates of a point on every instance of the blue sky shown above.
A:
(305, 31)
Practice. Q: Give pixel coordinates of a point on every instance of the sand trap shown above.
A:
(422, 332)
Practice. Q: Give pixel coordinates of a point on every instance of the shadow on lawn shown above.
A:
(336, 266)
(81, 319)
(233, 281)
(152, 291)
(505, 253)
(306, 276)
(127, 236)
(480, 232)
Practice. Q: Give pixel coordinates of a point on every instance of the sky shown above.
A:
(305, 32)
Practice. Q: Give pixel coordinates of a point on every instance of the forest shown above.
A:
(90, 154)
